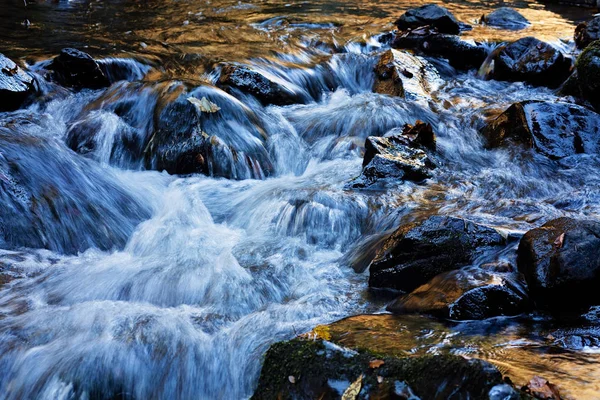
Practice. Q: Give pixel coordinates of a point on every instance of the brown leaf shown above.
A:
(542, 389)
(353, 390)
(376, 363)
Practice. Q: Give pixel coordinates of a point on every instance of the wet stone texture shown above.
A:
(415, 253)
(561, 265)
(429, 15)
(556, 130)
(77, 69)
(15, 85)
(505, 18)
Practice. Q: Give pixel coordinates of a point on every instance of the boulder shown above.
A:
(15, 85)
(533, 61)
(54, 199)
(465, 294)
(246, 80)
(560, 263)
(399, 73)
(398, 156)
(429, 15)
(459, 53)
(505, 18)
(556, 130)
(587, 32)
(586, 80)
(76, 69)
(417, 252)
(315, 369)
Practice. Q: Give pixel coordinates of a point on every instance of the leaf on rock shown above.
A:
(559, 241)
(542, 389)
(292, 379)
(204, 105)
(376, 363)
(353, 390)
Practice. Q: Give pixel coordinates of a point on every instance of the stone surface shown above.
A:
(556, 130)
(533, 61)
(587, 32)
(415, 253)
(505, 18)
(465, 295)
(15, 85)
(561, 265)
(78, 70)
(429, 15)
(247, 80)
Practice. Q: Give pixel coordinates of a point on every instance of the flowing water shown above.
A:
(138, 284)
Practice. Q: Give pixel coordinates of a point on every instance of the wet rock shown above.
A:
(398, 73)
(459, 53)
(556, 130)
(247, 80)
(560, 263)
(77, 69)
(15, 85)
(322, 370)
(587, 32)
(506, 18)
(533, 61)
(585, 81)
(54, 200)
(417, 252)
(399, 156)
(429, 15)
(465, 295)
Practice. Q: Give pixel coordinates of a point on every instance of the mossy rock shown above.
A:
(315, 369)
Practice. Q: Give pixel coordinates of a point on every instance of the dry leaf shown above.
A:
(379, 379)
(559, 241)
(542, 389)
(292, 379)
(376, 363)
(353, 390)
(204, 105)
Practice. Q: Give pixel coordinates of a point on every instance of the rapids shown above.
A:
(148, 285)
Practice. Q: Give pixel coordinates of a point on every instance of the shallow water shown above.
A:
(176, 286)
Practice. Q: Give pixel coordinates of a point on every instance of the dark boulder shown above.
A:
(465, 295)
(429, 15)
(533, 61)
(556, 130)
(53, 199)
(459, 53)
(417, 252)
(399, 73)
(587, 32)
(399, 156)
(76, 69)
(15, 85)
(561, 264)
(506, 18)
(246, 80)
(585, 82)
(314, 369)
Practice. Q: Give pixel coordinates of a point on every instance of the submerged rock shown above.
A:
(398, 156)
(587, 32)
(77, 69)
(459, 53)
(417, 252)
(506, 18)
(533, 61)
(54, 200)
(556, 130)
(398, 73)
(429, 15)
(560, 263)
(465, 295)
(15, 85)
(315, 369)
(247, 80)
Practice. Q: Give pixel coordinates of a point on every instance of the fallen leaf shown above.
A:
(292, 379)
(559, 241)
(379, 379)
(376, 363)
(353, 390)
(542, 389)
(204, 105)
